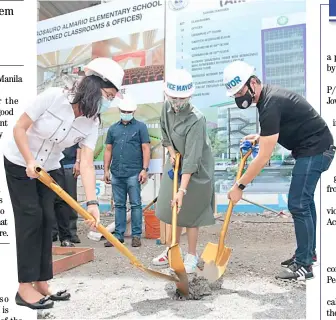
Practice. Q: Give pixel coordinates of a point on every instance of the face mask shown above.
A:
(244, 101)
(71, 96)
(178, 104)
(126, 116)
(104, 104)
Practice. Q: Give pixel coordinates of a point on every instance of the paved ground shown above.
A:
(110, 288)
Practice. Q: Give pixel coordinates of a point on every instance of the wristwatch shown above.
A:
(240, 186)
(145, 169)
(183, 190)
(92, 202)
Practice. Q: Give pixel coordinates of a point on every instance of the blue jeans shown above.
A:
(305, 176)
(120, 188)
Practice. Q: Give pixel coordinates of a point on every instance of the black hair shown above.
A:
(257, 80)
(87, 93)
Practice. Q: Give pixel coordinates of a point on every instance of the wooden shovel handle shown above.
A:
(46, 179)
(230, 207)
(175, 187)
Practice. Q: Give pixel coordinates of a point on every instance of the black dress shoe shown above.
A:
(75, 239)
(60, 296)
(67, 243)
(44, 303)
(109, 244)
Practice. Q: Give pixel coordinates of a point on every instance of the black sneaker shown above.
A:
(315, 262)
(288, 262)
(136, 242)
(291, 260)
(296, 272)
(108, 244)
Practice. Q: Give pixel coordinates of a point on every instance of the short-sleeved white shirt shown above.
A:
(54, 128)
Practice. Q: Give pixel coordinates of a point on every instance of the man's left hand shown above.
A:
(143, 177)
(76, 170)
(235, 194)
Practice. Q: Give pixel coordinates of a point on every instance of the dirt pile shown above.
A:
(199, 287)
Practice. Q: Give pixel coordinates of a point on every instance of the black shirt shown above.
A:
(70, 155)
(301, 129)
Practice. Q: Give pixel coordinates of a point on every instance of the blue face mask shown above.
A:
(126, 116)
(104, 104)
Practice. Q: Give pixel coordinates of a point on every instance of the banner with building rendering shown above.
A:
(130, 32)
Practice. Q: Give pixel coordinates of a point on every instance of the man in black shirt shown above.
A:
(288, 119)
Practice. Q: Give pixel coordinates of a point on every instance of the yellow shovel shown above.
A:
(46, 179)
(174, 253)
(216, 256)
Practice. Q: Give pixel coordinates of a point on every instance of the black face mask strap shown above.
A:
(250, 88)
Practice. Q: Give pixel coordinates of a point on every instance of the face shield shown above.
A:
(177, 104)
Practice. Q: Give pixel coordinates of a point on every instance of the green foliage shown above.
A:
(218, 146)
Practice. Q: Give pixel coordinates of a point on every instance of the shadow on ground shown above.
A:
(274, 306)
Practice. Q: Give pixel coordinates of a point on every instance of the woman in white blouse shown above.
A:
(56, 120)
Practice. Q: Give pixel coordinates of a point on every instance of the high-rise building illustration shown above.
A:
(283, 41)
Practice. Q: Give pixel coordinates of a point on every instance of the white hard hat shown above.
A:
(126, 103)
(235, 76)
(107, 69)
(179, 84)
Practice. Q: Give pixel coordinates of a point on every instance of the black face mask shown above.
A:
(246, 100)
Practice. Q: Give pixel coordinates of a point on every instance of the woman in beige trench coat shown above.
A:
(184, 131)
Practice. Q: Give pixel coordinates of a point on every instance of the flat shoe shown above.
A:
(60, 296)
(43, 303)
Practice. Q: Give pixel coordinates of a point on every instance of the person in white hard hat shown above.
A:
(128, 146)
(288, 119)
(54, 121)
(183, 129)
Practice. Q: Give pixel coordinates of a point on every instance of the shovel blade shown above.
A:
(210, 252)
(213, 269)
(177, 265)
(161, 275)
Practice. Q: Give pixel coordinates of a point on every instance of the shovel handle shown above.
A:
(149, 204)
(230, 207)
(261, 206)
(175, 187)
(46, 179)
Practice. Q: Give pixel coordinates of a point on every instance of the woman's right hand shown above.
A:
(94, 211)
(30, 169)
(172, 159)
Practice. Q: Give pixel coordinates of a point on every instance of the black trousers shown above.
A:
(32, 204)
(62, 210)
(71, 188)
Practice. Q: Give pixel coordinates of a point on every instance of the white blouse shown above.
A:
(54, 128)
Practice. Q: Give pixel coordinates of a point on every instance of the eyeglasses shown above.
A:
(109, 96)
